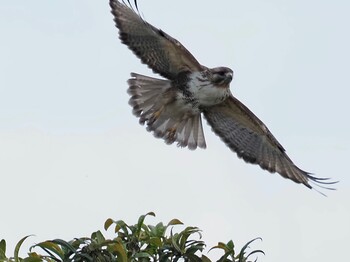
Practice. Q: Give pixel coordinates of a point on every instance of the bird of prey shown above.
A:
(172, 108)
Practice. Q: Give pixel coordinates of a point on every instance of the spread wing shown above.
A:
(164, 54)
(246, 135)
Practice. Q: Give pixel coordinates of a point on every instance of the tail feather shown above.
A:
(191, 133)
(155, 102)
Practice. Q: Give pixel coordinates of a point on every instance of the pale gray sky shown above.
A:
(72, 154)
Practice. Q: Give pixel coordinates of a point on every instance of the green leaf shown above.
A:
(32, 259)
(119, 249)
(2, 249)
(73, 244)
(184, 236)
(242, 252)
(174, 240)
(205, 259)
(194, 248)
(230, 245)
(142, 219)
(256, 251)
(34, 254)
(153, 230)
(108, 223)
(98, 236)
(18, 246)
(146, 229)
(159, 229)
(49, 247)
(220, 245)
(174, 221)
(120, 224)
(155, 241)
(65, 244)
(246, 245)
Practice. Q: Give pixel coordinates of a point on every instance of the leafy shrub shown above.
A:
(139, 242)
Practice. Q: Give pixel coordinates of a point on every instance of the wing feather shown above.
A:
(247, 135)
(162, 53)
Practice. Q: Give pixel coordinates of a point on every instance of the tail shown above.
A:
(155, 102)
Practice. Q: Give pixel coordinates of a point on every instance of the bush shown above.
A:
(139, 242)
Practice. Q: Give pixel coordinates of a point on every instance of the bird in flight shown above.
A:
(172, 108)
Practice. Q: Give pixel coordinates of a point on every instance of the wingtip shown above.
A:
(322, 183)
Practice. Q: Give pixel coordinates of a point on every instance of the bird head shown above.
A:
(221, 76)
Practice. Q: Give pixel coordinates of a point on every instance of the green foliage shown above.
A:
(139, 242)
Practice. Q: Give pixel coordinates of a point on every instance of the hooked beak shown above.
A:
(229, 77)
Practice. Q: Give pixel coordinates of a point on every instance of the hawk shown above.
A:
(172, 108)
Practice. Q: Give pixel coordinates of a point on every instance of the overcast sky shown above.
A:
(72, 154)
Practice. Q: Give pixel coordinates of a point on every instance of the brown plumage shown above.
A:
(172, 108)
